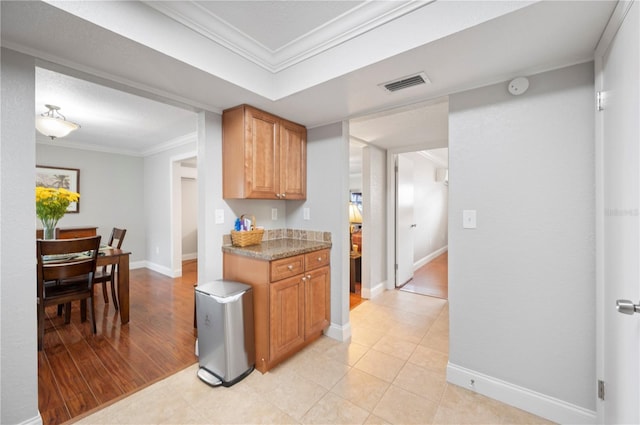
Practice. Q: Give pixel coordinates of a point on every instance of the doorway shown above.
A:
(421, 222)
(355, 222)
(184, 207)
(618, 244)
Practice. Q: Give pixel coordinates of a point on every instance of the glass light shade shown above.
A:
(354, 214)
(54, 127)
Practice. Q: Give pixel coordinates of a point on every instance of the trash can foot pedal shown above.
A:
(209, 378)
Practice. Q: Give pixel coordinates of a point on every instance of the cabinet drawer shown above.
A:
(316, 259)
(287, 267)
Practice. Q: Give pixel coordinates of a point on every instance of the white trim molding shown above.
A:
(339, 333)
(374, 291)
(36, 420)
(429, 258)
(533, 402)
(162, 269)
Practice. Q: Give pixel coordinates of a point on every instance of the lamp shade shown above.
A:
(53, 124)
(354, 214)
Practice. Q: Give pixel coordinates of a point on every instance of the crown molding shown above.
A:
(432, 158)
(349, 25)
(173, 143)
(169, 144)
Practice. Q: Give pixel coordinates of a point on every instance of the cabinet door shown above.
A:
(286, 316)
(317, 300)
(262, 160)
(293, 161)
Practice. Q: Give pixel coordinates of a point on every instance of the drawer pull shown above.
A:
(319, 258)
(290, 267)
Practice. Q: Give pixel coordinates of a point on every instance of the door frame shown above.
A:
(616, 20)
(175, 211)
(391, 207)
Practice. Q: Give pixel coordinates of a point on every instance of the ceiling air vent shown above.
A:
(405, 82)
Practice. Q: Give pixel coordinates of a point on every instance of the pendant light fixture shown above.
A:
(53, 124)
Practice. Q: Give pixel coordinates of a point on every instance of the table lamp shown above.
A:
(354, 218)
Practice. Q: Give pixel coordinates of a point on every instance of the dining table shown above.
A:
(120, 260)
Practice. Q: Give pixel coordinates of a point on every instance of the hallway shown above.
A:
(431, 279)
(393, 371)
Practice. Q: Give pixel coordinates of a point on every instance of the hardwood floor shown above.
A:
(79, 371)
(355, 298)
(431, 279)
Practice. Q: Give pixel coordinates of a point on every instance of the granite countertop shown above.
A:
(276, 249)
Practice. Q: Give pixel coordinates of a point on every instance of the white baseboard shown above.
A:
(137, 265)
(340, 333)
(425, 260)
(36, 420)
(190, 256)
(161, 269)
(533, 402)
(373, 292)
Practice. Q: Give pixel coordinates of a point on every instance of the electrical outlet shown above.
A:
(274, 213)
(306, 214)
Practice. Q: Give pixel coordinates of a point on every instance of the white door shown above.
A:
(405, 221)
(619, 245)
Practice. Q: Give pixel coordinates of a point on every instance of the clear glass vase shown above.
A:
(49, 228)
(48, 233)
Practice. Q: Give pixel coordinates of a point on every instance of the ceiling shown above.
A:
(135, 74)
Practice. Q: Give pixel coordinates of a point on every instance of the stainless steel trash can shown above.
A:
(226, 345)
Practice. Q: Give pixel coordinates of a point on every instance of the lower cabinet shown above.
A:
(317, 301)
(291, 301)
(287, 315)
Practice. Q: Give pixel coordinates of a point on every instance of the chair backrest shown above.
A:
(117, 236)
(66, 259)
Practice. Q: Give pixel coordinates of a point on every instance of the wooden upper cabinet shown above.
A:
(293, 160)
(263, 156)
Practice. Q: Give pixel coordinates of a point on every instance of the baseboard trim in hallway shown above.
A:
(539, 404)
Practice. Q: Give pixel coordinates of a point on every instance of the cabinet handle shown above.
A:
(309, 276)
(284, 195)
(277, 195)
(319, 258)
(304, 279)
(290, 267)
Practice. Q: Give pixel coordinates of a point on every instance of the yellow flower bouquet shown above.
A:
(51, 205)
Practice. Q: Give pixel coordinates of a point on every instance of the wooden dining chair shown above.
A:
(66, 268)
(107, 273)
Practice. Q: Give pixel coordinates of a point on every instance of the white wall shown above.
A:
(189, 218)
(430, 209)
(374, 241)
(18, 336)
(157, 196)
(261, 209)
(327, 200)
(209, 146)
(111, 193)
(522, 284)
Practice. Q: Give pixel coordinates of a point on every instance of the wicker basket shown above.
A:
(247, 237)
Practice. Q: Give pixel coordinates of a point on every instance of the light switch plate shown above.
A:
(469, 219)
(306, 214)
(219, 216)
(274, 213)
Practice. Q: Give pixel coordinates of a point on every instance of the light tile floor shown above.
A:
(391, 372)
